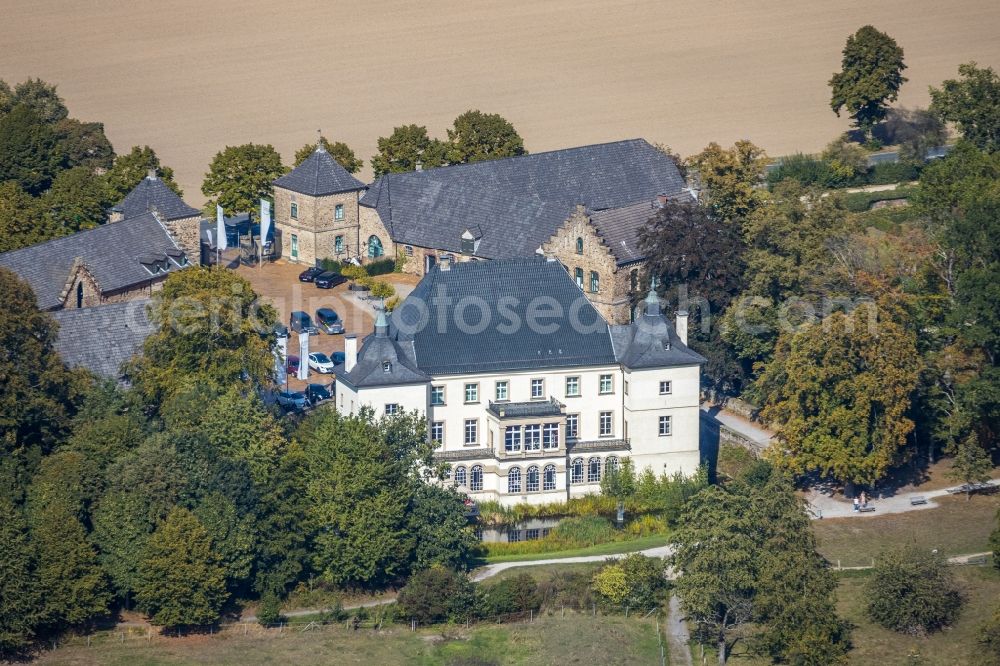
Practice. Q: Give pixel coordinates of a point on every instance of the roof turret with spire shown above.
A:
(319, 175)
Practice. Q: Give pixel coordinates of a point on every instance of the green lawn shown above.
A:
(610, 548)
(956, 527)
(573, 639)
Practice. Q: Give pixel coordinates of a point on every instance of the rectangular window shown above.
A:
(392, 408)
(294, 212)
(550, 436)
(531, 486)
(625, 386)
(532, 534)
(572, 387)
(471, 393)
(532, 437)
(437, 432)
(512, 439)
(537, 389)
(338, 245)
(471, 432)
(666, 388)
(605, 425)
(595, 282)
(409, 250)
(665, 426)
(514, 536)
(607, 384)
(579, 277)
(572, 426)
(501, 391)
(338, 212)
(437, 395)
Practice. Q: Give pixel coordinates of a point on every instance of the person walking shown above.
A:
(857, 505)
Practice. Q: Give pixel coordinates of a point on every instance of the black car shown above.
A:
(301, 322)
(329, 280)
(316, 393)
(310, 274)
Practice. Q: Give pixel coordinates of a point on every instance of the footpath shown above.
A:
(824, 506)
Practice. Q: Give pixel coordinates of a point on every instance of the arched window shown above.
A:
(576, 471)
(610, 464)
(594, 470)
(549, 477)
(460, 476)
(579, 245)
(477, 478)
(514, 480)
(532, 482)
(374, 247)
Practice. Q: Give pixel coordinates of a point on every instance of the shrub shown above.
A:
(734, 460)
(912, 591)
(270, 609)
(636, 581)
(989, 636)
(437, 594)
(511, 595)
(804, 169)
(886, 173)
(382, 289)
(381, 267)
(365, 282)
(567, 588)
(353, 272)
(331, 265)
(392, 303)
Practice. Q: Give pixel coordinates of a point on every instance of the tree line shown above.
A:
(183, 494)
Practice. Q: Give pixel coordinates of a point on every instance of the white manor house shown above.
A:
(530, 394)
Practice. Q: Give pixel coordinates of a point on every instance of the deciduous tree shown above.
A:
(21, 608)
(339, 150)
(405, 147)
(181, 581)
(29, 150)
(478, 136)
(730, 178)
(971, 463)
(973, 103)
(42, 98)
(77, 200)
(22, 219)
(240, 176)
(871, 75)
(129, 169)
(84, 144)
(912, 591)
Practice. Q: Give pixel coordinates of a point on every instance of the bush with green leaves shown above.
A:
(912, 591)
(518, 594)
(269, 611)
(437, 594)
(636, 582)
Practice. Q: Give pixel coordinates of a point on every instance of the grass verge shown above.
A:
(612, 548)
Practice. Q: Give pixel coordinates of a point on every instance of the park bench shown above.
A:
(870, 508)
(917, 500)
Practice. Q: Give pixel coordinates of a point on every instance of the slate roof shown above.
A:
(379, 348)
(518, 202)
(619, 228)
(503, 290)
(651, 342)
(319, 175)
(110, 252)
(101, 338)
(153, 194)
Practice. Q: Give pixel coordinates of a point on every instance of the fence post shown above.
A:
(626, 611)
(531, 615)
(122, 635)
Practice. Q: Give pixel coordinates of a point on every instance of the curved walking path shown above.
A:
(825, 506)
(677, 635)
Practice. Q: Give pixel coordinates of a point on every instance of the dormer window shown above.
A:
(154, 263)
(177, 257)
(386, 366)
(666, 345)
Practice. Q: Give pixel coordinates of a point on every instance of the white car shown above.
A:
(320, 363)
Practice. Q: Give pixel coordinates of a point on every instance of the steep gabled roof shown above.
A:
(319, 175)
(518, 202)
(110, 252)
(619, 228)
(153, 194)
(564, 330)
(101, 338)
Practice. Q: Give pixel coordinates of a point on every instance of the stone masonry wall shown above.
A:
(316, 227)
(186, 232)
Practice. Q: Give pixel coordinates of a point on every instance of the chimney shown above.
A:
(682, 325)
(661, 200)
(150, 174)
(350, 352)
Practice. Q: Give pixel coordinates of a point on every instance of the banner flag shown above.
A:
(220, 229)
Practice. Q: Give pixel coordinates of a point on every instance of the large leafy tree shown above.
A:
(407, 146)
(870, 76)
(29, 150)
(913, 591)
(443, 535)
(240, 176)
(973, 103)
(338, 150)
(730, 178)
(129, 169)
(478, 136)
(362, 478)
(839, 392)
(211, 330)
(22, 219)
(84, 144)
(21, 607)
(77, 200)
(181, 580)
(42, 98)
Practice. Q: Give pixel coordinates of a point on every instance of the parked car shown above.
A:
(302, 323)
(292, 364)
(329, 280)
(292, 400)
(338, 358)
(310, 274)
(317, 393)
(320, 362)
(329, 321)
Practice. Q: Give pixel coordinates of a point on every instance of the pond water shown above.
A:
(529, 530)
